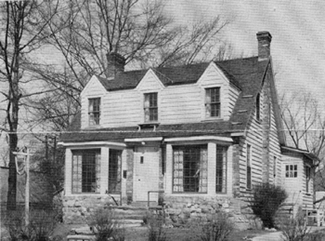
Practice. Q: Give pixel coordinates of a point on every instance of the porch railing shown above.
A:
(149, 192)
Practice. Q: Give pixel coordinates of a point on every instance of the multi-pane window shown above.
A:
(308, 176)
(258, 107)
(86, 171)
(291, 170)
(248, 167)
(150, 107)
(221, 169)
(114, 171)
(94, 111)
(212, 102)
(190, 169)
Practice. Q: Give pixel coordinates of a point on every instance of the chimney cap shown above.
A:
(263, 35)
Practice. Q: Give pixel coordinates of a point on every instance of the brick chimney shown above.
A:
(264, 39)
(115, 64)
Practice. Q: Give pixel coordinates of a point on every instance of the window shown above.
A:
(221, 169)
(212, 102)
(274, 166)
(150, 107)
(94, 111)
(114, 171)
(248, 167)
(86, 171)
(291, 171)
(190, 169)
(308, 175)
(258, 107)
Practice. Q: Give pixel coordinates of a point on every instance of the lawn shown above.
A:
(178, 234)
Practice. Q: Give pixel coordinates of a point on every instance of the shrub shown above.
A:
(295, 228)
(40, 228)
(266, 201)
(105, 225)
(216, 229)
(156, 230)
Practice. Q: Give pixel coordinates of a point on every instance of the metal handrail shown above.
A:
(153, 192)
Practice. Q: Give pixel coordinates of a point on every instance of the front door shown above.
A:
(146, 173)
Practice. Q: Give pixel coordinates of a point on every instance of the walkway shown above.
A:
(272, 236)
(277, 236)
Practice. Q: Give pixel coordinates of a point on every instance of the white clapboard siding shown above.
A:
(275, 151)
(294, 185)
(176, 103)
(180, 104)
(122, 108)
(307, 198)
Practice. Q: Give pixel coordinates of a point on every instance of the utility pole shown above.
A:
(26, 171)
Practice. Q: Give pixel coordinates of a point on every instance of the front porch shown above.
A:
(189, 177)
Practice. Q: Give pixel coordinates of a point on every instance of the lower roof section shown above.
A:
(220, 129)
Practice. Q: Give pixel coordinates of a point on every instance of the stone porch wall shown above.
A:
(183, 209)
(77, 208)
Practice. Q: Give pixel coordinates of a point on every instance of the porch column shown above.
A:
(68, 171)
(169, 169)
(212, 157)
(229, 170)
(104, 170)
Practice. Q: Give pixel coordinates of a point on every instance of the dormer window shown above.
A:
(94, 111)
(150, 107)
(258, 107)
(212, 102)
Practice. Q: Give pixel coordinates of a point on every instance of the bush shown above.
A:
(105, 225)
(295, 228)
(156, 230)
(216, 229)
(40, 228)
(266, 201)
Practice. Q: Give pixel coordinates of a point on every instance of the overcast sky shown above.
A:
(297, 28)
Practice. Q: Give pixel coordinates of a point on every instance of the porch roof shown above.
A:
(305, 153)
(221, 128)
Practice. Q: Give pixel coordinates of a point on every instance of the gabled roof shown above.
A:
(247, 74)
(185, 74)
(309, 155)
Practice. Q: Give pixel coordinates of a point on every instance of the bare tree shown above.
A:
(305, 127)
(21, 27)
(138, 30)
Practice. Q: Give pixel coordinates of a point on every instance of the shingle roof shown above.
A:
(247, 74)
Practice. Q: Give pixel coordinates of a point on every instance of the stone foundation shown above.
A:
(77, 208)
(181, 210)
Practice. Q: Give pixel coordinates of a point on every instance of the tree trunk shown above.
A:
(13, 112)
(12, 179)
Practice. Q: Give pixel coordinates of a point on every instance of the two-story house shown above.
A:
(198, 137)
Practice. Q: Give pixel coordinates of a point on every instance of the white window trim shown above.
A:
(285, 171)
(141, 107)
(203, 98)
(86, 109)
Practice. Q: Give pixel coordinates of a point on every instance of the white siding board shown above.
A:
(126, 110)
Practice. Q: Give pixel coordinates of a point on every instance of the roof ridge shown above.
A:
(235, 59)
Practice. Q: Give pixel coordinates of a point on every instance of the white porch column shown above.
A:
(212, 157)
(169, 169)
(229, 170)
(104, 169)
(68, 171)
